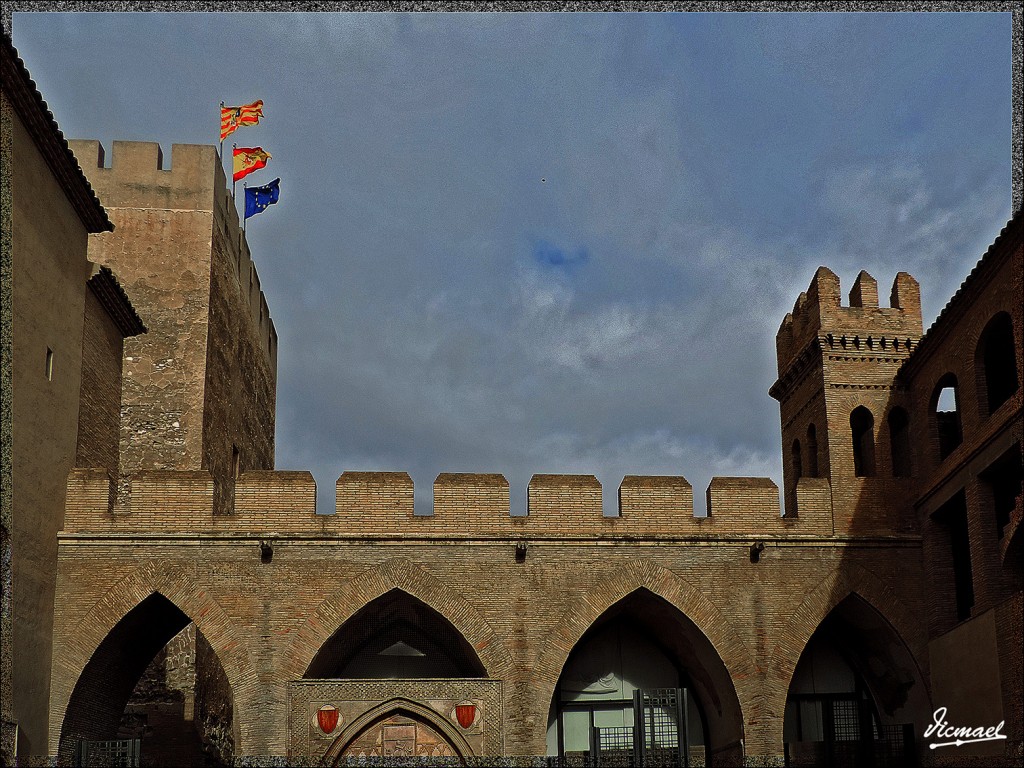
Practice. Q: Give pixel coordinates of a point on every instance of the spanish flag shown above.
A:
(232, 118)
(249, 159)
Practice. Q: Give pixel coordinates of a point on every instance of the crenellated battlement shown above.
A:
(819, 314)
(379, 505)
(195, 183)
(136, 177)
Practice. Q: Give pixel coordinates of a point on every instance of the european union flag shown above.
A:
(258, 198)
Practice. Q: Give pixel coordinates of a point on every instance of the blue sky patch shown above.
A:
(550, 255)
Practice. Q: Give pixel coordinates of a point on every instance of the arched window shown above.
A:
(862, 428)
(798, 468)
(812, 451)
(396, 636)
(899, 442)
(946, 411)
(996, 362)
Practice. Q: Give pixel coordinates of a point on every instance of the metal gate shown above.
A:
(659, 736)
(123, 753)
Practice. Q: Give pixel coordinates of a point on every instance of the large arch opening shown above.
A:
(154, 678)
(396, 636)
(856, 694)
(643, 643)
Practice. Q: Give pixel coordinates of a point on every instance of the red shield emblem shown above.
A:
(465, 714)
(327, 718)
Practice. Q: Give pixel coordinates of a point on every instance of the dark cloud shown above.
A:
(439, 308)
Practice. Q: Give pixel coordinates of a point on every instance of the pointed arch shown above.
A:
(396, 706)
(141, 612)
(663, 583)
(724, 659)
(852, 583)
(415, 581)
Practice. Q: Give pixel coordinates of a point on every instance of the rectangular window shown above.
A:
(49, 364)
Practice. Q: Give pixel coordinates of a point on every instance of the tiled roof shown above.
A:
(24, 96)
(113, 298)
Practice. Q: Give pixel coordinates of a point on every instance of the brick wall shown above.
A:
(99, 421)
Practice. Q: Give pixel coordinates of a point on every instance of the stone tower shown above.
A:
(199, 388)
(844, 417)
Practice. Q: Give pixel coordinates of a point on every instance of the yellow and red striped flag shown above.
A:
(249, 159)
(233, 118)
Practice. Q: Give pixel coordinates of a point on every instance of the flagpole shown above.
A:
(222, 136)
(245, 218)
(233, 171)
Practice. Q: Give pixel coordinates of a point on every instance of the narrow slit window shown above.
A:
(49, 364)
(812, 451)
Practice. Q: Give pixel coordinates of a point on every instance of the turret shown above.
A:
(838, 397)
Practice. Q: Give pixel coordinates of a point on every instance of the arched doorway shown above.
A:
(855, 694)
(128, 670)
(398, 730)
(644, 656)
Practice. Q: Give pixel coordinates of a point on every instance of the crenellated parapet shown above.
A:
(379, 505)
(195, 183)
(862, 326)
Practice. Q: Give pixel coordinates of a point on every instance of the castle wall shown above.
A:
(160, 250)
(241, 364)
(99, 423)
(987, 685)
(49, 273)
(201, 383)
(524, 612)
(523, 617)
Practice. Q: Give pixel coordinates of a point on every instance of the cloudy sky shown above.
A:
(560, 242)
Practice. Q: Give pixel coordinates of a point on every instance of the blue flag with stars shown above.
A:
(258, 198)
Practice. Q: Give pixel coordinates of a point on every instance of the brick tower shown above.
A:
(199, 388)
(844, 418)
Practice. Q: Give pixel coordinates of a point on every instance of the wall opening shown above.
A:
(946, 415)
(1003, 478)
(899, 442)
(643, 643)
(862, 429)
(154, 678)
(996, 364)
(953, 517)
(855, 694)
(396, 636)
(812, 451)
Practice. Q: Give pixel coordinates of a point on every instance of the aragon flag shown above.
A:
(249, 159)
(232, 118)
(258, 198)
